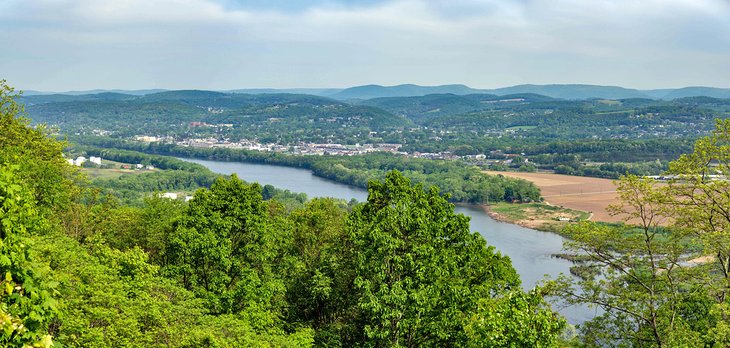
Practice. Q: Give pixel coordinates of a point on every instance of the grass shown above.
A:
(114, 172)
(536, 211)
(109, 173)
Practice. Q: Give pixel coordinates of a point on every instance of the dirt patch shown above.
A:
(702, 260)
(592, 195)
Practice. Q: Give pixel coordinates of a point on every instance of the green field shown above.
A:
(114, 171)
(542, 211)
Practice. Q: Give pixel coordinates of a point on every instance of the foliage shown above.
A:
(656, 288)
(224, 250)
(41, 166)
(516, 319)
(26, 302)
(421, 272)
(320, 291)
(699, 198)
(112, 298)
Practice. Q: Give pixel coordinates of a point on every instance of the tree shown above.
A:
(224, 251)
(699, 200)
(421, 273)
(320, 290)
(664, 280)
(38, 156)
(26, 304)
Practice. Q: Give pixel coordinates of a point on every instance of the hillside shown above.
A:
(435, 105)
(575, 91)
(407, 90)
(698, 92)
(176, 113)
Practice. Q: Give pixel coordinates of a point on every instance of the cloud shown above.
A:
(485, 43)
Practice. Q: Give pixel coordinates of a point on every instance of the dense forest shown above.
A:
(230, 269)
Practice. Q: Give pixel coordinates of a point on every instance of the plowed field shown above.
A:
(575, 192)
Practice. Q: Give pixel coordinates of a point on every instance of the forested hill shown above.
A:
(208, 98)
(434, 105)
(541, 117)
(407, 90)
(159, 113)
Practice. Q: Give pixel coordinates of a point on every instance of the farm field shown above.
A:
(113, 170)
(592, 195)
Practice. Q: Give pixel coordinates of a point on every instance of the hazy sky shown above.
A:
(57, 45)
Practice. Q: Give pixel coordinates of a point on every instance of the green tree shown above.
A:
(421, 273)
(26, 302)
(42, 168)
(321, 291)
(664, 279)
(698, 198)
(224, 250)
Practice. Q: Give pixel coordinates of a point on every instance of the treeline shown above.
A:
(619, 150)
(462, 183)
(613, 170)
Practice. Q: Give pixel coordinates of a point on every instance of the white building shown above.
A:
(95, 160)
(79, 161)
(170, 195)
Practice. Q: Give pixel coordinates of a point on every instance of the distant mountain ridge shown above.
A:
(97, 91)
(407, 90)
(365, 92)
(573, 91)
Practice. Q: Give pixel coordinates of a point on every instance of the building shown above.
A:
(170, 195)
(79, 161)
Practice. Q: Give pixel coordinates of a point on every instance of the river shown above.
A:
(529, 250)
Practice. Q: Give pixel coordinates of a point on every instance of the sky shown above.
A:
(62, 45)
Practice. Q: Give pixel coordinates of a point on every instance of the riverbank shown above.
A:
(538, 216)
(462, 183)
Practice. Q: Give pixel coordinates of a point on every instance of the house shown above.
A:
(95, 160)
